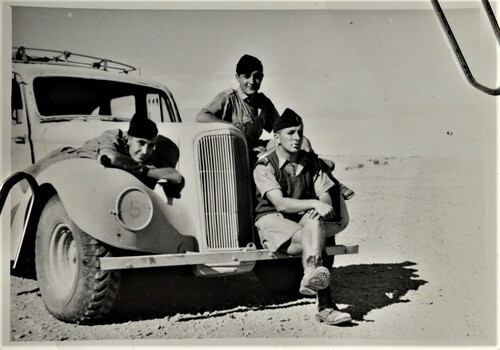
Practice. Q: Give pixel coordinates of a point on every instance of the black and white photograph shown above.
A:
(159, 153)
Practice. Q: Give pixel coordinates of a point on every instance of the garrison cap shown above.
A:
(288, 119)
(142, 127)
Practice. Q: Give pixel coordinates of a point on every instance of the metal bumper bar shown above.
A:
(250, 253)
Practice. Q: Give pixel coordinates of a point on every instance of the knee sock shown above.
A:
(314, 260)
(324, 299)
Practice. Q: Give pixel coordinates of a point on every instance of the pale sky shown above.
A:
(366, 81)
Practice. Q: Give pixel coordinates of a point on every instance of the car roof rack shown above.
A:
(67, 58)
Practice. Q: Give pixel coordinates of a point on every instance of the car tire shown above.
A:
(73, 287)
(281, 276)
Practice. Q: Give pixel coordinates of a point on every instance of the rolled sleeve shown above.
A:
(109, 140)
(265, 179)
(218, 105)
(322, 183)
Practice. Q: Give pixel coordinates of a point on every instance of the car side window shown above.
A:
(157, 108)
(123, 106)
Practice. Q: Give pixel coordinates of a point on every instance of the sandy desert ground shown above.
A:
(425, 275)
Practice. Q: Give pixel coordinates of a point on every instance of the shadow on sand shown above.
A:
(369, 287)
(158, 293)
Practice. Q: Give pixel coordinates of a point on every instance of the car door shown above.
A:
(21, 157)
(21, 145)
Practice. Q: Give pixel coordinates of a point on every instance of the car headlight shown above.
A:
(134, 209)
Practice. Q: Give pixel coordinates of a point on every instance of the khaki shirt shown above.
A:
(266, 179)
(251, 116)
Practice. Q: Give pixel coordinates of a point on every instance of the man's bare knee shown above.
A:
(295, 244)
(316, 229)
(310, 224)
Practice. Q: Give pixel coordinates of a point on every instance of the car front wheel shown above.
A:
(73, 287)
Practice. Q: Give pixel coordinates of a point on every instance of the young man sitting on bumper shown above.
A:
(294, 211)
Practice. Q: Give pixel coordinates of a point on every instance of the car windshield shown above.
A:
(70, 97)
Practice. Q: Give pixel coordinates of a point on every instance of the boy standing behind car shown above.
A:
(294, 211)
(244, 107)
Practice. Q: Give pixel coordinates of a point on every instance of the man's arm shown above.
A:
(322, 186)
(205, 116)
(213, 112)
(292, 205)
(266, 182)
(169, 174)
(327, 199)
(112, 158)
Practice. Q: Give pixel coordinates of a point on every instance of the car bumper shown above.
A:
(220, 262)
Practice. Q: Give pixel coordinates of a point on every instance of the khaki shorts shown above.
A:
(275, 230)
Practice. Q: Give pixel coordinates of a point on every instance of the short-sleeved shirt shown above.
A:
(250, 115)
(115, 140)
(276, 228)
(266, 178)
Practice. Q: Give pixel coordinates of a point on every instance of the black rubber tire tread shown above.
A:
(280, 276)
(95, 290)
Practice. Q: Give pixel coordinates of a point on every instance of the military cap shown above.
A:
(288, 119)
(142, 127)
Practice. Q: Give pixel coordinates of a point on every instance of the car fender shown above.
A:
(89, 193)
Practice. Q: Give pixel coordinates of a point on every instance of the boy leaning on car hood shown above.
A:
(133, 151)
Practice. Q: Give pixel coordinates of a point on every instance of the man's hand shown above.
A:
(323, 210)
(114, 159)
(169, 174)
(259, 149)
(171, 189)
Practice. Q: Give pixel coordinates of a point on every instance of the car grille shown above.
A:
(227, 204)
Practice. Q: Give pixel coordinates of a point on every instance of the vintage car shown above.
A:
(79, 224)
